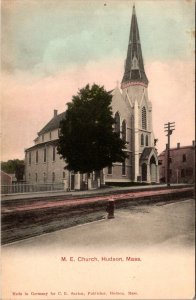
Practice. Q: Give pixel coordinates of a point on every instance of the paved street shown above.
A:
(30, 217)
(159, 236)
(144, 225)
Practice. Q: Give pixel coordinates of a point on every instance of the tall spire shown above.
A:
(134, 67)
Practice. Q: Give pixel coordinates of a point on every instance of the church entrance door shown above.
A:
(144, 172)
(153, 169)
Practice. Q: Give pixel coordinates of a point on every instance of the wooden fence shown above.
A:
(31, 188)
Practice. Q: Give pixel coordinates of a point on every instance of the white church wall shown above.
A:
(42, 167)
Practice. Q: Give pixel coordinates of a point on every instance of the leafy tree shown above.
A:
(14, 166)
(87, 140)
(19, 173)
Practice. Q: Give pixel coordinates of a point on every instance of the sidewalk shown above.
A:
(102, 191)
(98, 200)
(29, 217)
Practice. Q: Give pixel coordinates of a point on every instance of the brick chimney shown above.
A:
(178, 145)
(55, 112)
(193, 143)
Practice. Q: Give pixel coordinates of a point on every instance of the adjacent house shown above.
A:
(182, 164)
(6, 179)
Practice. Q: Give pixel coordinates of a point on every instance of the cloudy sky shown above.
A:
(50, 48)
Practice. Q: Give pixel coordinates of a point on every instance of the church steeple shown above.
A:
(134, 73)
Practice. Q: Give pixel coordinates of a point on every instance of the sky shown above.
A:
(51, 48)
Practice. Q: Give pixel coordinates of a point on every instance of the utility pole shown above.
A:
(169, 127)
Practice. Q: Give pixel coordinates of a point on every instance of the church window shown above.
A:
(36, 157)
(183, 157)
(36, 177)
(50, 134)
(63, 175)
(117, 123)
(124, 129)
(53, 153)
(44, 154)
(110, 170)
(29, 158)
(131, 158)
(53, 177)
(134, 65)
(144, 124)
(142, 139)
(146, 140)
(123, 168)
(182, 173)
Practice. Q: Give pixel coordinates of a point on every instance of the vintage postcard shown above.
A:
(103, 229)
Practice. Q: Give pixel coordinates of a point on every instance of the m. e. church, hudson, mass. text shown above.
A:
(99, 259)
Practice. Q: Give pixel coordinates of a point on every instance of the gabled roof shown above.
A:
(146, 152)
(52, 124)
(6, 174)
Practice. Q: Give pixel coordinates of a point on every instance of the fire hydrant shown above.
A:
(110, 208)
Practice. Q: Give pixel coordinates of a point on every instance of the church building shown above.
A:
(132, 111)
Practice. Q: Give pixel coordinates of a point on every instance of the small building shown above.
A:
(6, 179)
(182, 164)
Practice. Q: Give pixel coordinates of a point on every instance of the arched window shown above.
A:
(29, 158)
(117, 123)
(44, 154)
(132, 133)
(124, 131)
(36, 157)
(144, 124)
(53, 153)
(146, 140)
(124, 168)
(142, 139)
(53, 177)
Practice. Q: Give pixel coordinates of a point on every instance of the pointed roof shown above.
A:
(134, 66)
(146, 153)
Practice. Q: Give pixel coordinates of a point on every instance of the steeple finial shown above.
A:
(134, 9)
(134, 66)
